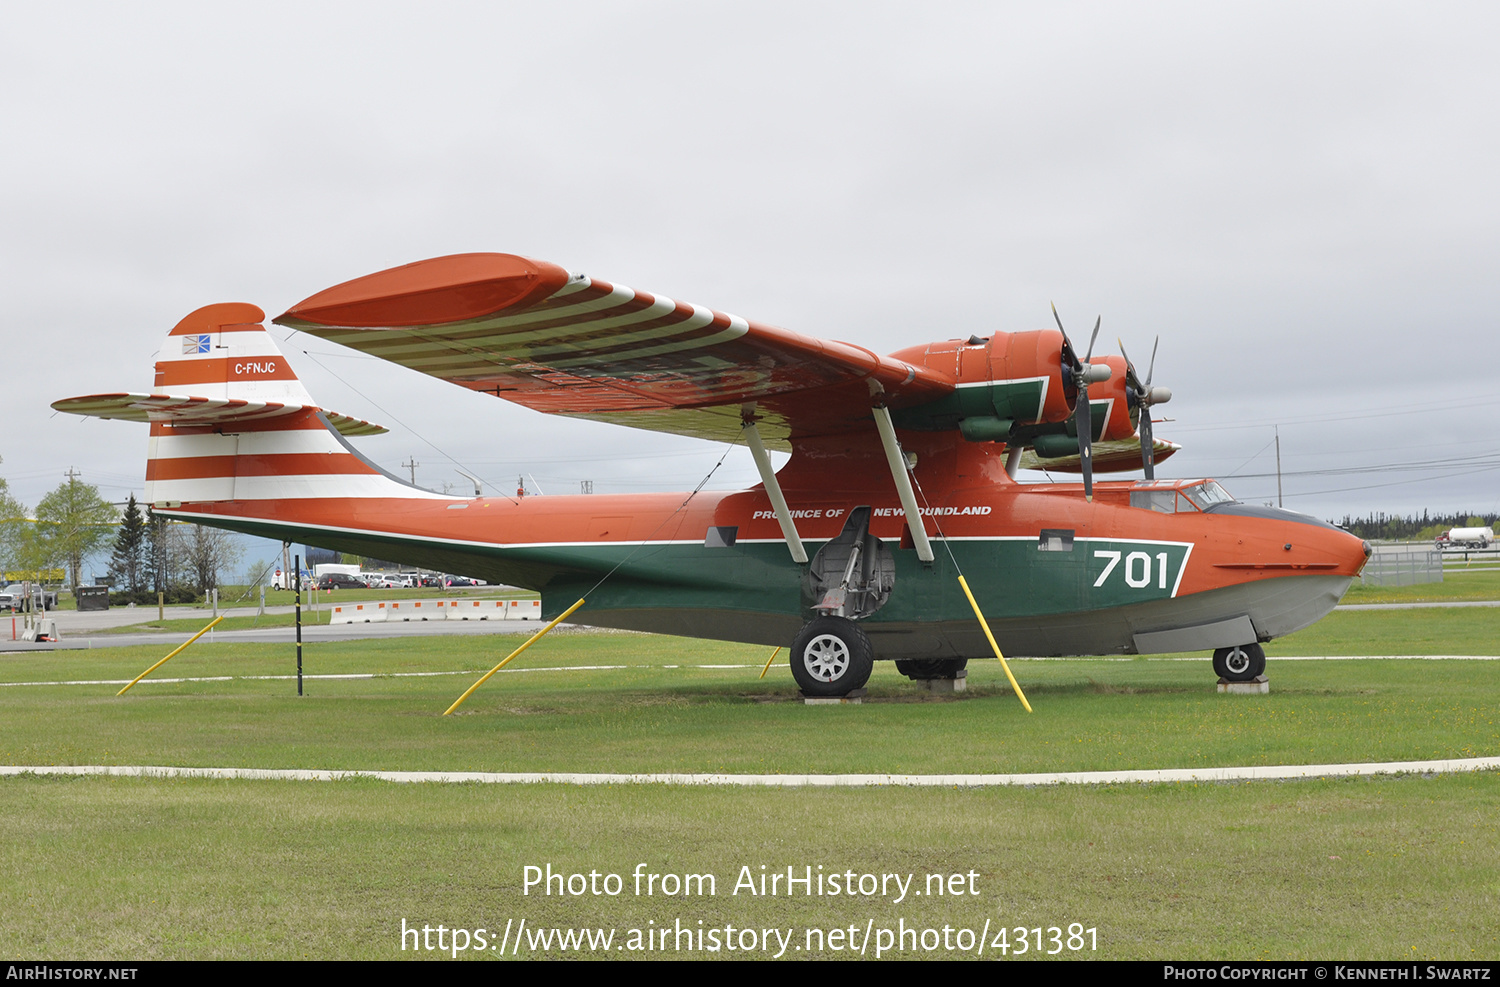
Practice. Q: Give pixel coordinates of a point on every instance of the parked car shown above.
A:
(13, 597)
(339, 580)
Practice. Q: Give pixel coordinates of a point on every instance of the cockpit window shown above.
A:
(1161, 501)
(1198, 497)
(1205, 495)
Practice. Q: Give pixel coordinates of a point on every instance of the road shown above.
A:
(89, 629)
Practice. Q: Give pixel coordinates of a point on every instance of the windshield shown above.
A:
(1205, 495)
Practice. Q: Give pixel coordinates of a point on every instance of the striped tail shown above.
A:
(230, 421)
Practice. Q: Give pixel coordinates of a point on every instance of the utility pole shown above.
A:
(1278, 466)
(412, 465)
(297, 600)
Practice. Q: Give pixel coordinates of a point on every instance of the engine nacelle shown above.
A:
(1004, 380)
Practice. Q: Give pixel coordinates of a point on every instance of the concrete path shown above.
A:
(80, 640)
(1416, 606)
(1257, 773)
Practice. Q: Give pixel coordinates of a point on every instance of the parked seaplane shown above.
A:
(901, 477)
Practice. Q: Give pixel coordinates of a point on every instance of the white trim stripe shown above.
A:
(624, 543)
(286, 441)
(312, 486)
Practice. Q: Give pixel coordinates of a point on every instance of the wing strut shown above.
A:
(903, 483)
(773, 490)
(1013, 460)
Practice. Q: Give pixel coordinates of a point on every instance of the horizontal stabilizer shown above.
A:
(180, 409)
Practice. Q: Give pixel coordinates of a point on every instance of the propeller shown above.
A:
(1083, 375)
(1143, 396)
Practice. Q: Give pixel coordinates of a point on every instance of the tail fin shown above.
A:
(230, 421)
(224, 352)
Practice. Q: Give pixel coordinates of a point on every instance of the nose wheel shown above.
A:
(831, 656)
(1241, 663)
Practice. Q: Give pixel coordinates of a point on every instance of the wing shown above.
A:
(563, 343)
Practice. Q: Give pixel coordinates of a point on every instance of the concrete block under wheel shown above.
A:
(856, 697)
(943, 687)
(1259, 685)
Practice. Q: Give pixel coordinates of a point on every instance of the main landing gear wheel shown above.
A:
(831, 656)
(920, 669)
(1242, 663)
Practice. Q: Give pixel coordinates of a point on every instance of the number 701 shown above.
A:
(1137, 568)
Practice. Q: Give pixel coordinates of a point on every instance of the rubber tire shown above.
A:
(1240, 664)
(922, 669)
(831, 656)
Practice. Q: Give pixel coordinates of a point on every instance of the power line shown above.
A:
(1383, 411)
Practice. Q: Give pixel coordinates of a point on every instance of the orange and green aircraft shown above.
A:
(901, 477)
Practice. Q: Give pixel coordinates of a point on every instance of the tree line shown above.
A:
(1397, 527)
(149, 553)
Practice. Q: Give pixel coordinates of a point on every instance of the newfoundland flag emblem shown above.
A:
(194, 344)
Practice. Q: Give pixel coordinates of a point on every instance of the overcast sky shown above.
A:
(1301, 199)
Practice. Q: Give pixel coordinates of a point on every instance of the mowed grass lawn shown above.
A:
(1396, 868)
(678, 705)
(123, 868)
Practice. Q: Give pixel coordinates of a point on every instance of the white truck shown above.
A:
(323, 569)
(1466, 538)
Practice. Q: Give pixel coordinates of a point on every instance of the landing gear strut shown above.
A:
(831, 656)
(1241, 663)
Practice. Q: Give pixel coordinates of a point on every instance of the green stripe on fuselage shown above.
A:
(1011, 577)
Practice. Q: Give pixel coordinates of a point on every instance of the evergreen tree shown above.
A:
(127, 566)
(160, 559)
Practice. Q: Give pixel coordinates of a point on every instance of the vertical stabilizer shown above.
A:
(230, 421)
(223, 352)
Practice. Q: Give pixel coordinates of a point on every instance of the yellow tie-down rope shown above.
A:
(172, 655)
(763, 671)
(529, 642)
(985, 624)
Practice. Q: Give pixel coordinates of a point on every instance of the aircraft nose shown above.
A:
(1359, 553)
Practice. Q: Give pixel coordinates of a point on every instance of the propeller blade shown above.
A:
(1083, 419)
(1067, 343)
(1148, 448)
(1144, 401)
(1082, 411)
(1132, 378)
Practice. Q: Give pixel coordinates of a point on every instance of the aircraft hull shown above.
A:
(1274, 607)
(1177, 585)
